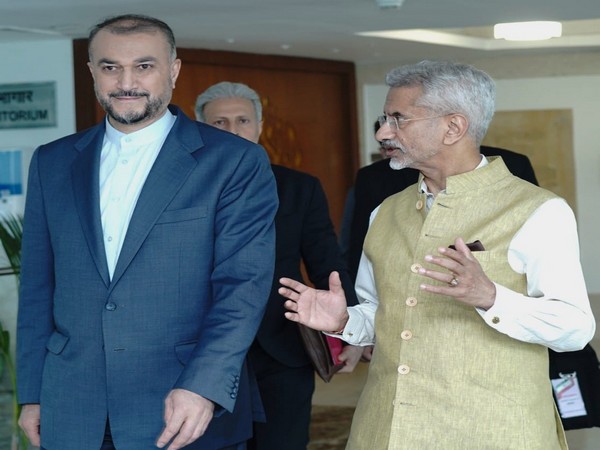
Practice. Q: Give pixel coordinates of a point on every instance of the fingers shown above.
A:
(291, 316)
(444, 277)
(367, 354)
(292, 285)
(350, 356)
(29, 421)
(456, 262)
(187, 434)
(335, 284)
(187, 416)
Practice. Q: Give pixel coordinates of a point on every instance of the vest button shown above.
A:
(419, 205)
(495, 319)
(415, 268)
(403, 369)
(406, 335)
(411, 301)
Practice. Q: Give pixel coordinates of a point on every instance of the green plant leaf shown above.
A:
(11, 235)
(4, 350)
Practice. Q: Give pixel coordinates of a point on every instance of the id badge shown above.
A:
(568, 395)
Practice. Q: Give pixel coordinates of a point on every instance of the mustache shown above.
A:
(391, 144)
(128, 94)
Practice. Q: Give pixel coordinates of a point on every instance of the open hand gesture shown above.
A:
(315, 308)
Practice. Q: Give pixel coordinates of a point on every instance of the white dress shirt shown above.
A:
(555, 313)
(125, 163)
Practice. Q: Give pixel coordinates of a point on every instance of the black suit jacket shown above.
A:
(375, 182)
(304, 233)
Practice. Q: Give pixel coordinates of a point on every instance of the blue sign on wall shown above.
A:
(11, 182)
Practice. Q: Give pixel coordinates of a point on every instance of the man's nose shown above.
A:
(127, 80)
(384, 132)
(232, 128)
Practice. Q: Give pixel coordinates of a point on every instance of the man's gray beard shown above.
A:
(397, 165)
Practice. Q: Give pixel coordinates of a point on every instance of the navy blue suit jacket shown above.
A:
(183, 305)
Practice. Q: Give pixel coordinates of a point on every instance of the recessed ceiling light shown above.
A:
(388, 4)
(527, 31)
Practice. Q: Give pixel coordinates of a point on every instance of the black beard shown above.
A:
(153, 105)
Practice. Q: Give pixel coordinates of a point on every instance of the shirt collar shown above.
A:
(484, 162)
(153, 132)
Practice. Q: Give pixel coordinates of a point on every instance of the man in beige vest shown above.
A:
(462, 332)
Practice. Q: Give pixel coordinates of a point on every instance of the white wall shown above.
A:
(37, 61)
(582, 95)
(28, 62)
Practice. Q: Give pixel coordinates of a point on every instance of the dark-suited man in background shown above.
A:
(304, 233)
(147, 260)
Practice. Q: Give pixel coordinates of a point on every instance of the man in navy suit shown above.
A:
(304, 234)
(147, 262)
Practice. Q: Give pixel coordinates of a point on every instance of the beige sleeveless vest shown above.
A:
(440, 377)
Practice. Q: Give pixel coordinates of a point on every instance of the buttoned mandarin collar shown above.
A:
(154, 132)
(454, 184)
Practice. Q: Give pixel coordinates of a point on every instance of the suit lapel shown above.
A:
(86, 190)
(169, 172)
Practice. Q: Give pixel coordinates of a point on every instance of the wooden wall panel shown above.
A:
(309, 108)
(546, 137)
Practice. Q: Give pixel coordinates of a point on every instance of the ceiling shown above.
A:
(321, 28)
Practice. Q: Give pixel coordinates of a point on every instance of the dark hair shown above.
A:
(134, 23)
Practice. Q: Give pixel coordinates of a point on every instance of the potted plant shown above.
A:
(11, 233)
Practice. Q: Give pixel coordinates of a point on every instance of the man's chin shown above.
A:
(398, 163)
(130, 119)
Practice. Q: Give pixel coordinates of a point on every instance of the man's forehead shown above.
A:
(402, 97)
(106, 40)
(232, 105)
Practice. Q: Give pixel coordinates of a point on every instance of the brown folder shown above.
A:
(323, 352)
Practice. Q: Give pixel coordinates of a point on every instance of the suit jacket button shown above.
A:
(110, 306)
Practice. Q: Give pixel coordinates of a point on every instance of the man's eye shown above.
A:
(109, 68)
(219, 123)
(145, 66)
(244, 121)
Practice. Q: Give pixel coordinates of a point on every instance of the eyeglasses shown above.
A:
(396, 123)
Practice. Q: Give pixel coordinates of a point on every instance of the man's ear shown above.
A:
(175, 67)
(458, 125)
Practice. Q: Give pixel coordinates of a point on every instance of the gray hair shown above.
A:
(134, 23)
(227, 89)
(451, 88)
